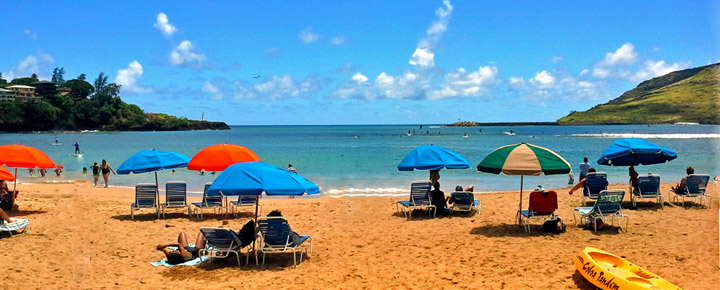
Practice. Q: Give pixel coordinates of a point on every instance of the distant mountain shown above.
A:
(691, 95)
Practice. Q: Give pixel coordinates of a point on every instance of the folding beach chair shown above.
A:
(464, 201)
(595, 182)
(145, 198)
(419, 199)
(648, 187)
(221, 242)
(175, 196)
(541, 207)
(695, 186)
(607, 207)
(208, 202)
(17, 225)
(275, 234)
(244, 201)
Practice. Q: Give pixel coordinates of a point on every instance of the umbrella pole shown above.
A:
(521, 199)
(157, 190)
(257, 203)
(15, 182)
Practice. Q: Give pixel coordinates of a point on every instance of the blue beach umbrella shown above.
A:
(254, 178)
(633, 152)
(431, 157)
(151, 161)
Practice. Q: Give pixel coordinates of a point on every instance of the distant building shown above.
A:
(6, 95)
(64, 91)
(45, 89)
(24, 93)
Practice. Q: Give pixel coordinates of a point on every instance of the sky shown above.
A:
(373, 62)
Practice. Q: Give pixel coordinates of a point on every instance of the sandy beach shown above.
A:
(82, 237)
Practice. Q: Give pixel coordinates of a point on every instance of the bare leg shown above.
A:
(182, 239)
(96, 179)
(105, 177)
(6, 218)
(200, 241)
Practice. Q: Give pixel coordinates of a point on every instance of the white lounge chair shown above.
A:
(419, 199)
(607, 207)
(175, 196)
(695, 186)
(464, 201)
(208, 202)
(648, 187)
(145, 198)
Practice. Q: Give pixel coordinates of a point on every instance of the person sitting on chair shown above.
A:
(184, 252)
(680, 187)
(437, 197)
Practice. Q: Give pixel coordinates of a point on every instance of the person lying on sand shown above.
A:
(184, 252)
(4, 218)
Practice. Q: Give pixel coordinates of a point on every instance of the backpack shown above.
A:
(555, 226)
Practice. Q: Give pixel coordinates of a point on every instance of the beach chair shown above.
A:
(419, 199)
(648, 187)
(145, 198)
(221, 242)
(695, 186)
(208, 202)
(244, 201)
(175, 196)
(17, 225)
(464, 202)
(607, 207)
(541, 207)
(595, 182)
(275, 238)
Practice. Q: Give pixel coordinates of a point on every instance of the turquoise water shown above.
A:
(362, 160)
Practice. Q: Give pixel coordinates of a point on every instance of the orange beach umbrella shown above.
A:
(6, 175)
(218, 157)
(20, 156)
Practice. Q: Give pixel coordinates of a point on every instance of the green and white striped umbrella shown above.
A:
(524, 159)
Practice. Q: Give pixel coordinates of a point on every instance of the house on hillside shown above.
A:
(24, 93)
(6, 95)
(45, 89)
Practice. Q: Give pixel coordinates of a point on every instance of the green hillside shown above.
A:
(691, 95)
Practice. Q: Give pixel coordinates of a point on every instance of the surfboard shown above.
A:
(55, 144)
(509, 133)
(76, 155)
(608, 271)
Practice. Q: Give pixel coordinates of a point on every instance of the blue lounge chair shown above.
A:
(221, 242)
(419, 199)
(244, 201)
(175, 196)
(145, 198)
(695, 186)
(595, 182)
(275, 238)
(208, 202)
(648, 187)
(607, 207)
(464, 202)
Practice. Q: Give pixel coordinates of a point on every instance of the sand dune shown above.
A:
(82, 237)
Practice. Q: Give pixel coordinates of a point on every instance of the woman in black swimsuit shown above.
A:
(106, 169)
(184, 252)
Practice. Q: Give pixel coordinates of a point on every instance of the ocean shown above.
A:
(354, 160)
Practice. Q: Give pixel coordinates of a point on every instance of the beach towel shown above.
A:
(192, 262)
(18, 224)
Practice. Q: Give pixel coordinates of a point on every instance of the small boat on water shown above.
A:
(608, 271)
(511, 133)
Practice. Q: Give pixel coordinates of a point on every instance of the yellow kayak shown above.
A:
(609, 271)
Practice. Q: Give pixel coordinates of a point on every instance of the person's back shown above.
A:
(437, 197)
(584, 167)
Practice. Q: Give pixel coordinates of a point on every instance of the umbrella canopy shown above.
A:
(633, 152)
(524, 159)
(431, 157)
(6, 175)
(254, 178)
(152, 160)
(24, 157)
(218, 157)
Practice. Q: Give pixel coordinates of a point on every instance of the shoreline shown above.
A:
(83, 237)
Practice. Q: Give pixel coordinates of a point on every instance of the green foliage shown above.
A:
(81, 77)
(100, 82)
(691, 95)
(57, 76)
(24, 81)
(80, 88)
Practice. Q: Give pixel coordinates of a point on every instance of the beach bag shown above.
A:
(555, 226)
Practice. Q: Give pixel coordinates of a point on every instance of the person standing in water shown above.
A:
(292, 169)
(77, 148)
(96, 172)
(106, 169)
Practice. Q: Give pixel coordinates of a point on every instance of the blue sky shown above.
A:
(375, 62)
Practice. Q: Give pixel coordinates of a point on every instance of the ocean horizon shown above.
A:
(361, 160)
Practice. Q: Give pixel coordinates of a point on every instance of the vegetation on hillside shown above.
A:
(87, 107)
(691, 95)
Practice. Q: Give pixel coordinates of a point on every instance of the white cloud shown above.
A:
(620, 64)
(584, 72)
(163, 25)
(338, 40)
(307, 36)
(278, 87)
(422, 57)
(32, 64)
(543, 80)
(128, 77)
(183, 54)
(216, 93)
(359, 78)
(651, 69)
(31, 34)
(557, 59)
(623, 56)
